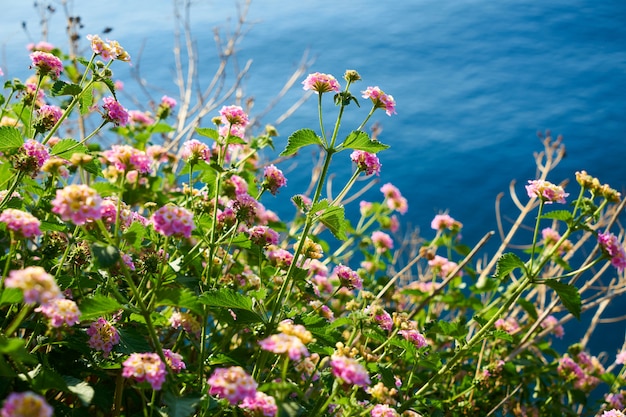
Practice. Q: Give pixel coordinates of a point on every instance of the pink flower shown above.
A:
(114, 112)
(78, 204)
(165, 107)
(46, 64)
(193, 150)
(47, 117)
(140, 118)
(347, 277)
(233, 384)
(394, 199)
(366, 161)
(103, 336)
(127, 158)
(546, 191)
(552, 323)
(40, 46)
(621, 358)
(282, 343)
(383, 410)
(26, 404)
(168, 102)
(234, 121)
(187, 321)
(36, 151)
(349, 371)
(22, 223)
(380, 316)
(509, 325)
(414, 337)
(614, 249)
(37, 285)
(321, 83)
(145, 367)
(382, 241)
(613, 413)
(171, 220)
(443, 266)
(174, 361)
(280, 257)
(263, 236)
(444, 221)
(260, 404)
(60, 311)
(100, 47)
(380, 99)
(273, 179)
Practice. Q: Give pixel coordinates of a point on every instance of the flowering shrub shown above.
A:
(145, 280)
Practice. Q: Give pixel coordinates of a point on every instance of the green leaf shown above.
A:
(361, 141)
(68, 147)
(16, 349)
(161, 128)
(564, 215)
(179, 297)
(98, 306)
(507, 264)
(134, 234)
(208, 132)
(226, 298)
(299, 139)
(105, 255)
(11, 296)
(568, 294)
(133, 339)
(86, 101)
(10, 139)
(501, 334)
(177, 406)
(81, 389)
(334, 218)
(61, 88)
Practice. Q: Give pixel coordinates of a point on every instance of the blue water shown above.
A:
(474, 81)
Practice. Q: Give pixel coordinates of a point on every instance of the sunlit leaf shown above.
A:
(299, 139)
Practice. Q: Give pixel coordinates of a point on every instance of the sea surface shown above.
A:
(474, 81)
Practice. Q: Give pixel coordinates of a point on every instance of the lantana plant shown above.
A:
(152, 281)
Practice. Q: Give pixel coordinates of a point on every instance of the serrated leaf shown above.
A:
(110, 85)
(16, 349)
(361, 141)
(563, 215)
(132, 340)
(86, 101)
(299, 139)
(52, 227)
(226, 298)
(179, 297)
(68, 147)
(134, 234)
(334, 219)
(501, 334)
(97, 306)
(568, 294)
(10, 138)
(61, 88)
(207, 132)
(299, 202)
(161, 128)
(508, 263)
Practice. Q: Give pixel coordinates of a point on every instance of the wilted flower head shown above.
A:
(366, 161)
(37, 285)
(22, 223)
(273, 179)
(77, 203)
(546, 191)
(46, 64)
(380, 99)
(103, 336)
(233, 384)
(145, 367)
(171, 220)
(114, 112)
(25, 404)
(321, 83)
